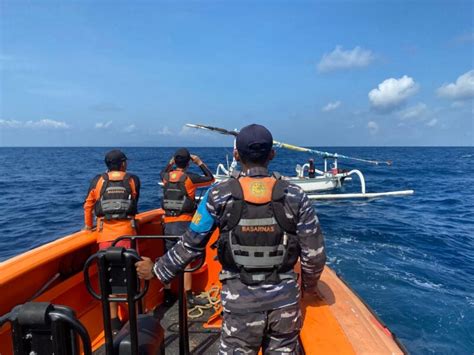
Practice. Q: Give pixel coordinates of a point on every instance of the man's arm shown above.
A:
(167, 168)
(201, 180)
(89, 204)
(138, 185)
(311, 241)
(191, 247)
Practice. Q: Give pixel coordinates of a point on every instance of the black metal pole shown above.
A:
(132, 311)
(133, 244)
(109, 341)
(58, 334)
(183, 318)
(61, 317)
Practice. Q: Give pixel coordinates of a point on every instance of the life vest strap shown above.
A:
(257, 222)
(258, 257)
(229, 275)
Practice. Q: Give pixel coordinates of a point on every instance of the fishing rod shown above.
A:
(290, 146)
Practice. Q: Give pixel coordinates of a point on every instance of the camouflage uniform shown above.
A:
(242, 333)
(266, 315)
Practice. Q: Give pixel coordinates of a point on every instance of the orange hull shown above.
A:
(337, 322)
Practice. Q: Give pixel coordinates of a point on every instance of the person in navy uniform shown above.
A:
(266, 225)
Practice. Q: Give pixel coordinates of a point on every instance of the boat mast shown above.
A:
(279, 144)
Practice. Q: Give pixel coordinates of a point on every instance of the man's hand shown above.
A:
(145, 268)
(196, 160)
(86, 228)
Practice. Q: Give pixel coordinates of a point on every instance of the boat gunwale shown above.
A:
(61, 246)
(69, 244)
(393, 336)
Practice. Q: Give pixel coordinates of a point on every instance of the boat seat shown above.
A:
(150, 337)
(118, 282)
(43, 328)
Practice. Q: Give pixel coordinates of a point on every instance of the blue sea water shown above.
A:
(410, 258)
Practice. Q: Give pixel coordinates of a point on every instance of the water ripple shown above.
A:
(411, 258)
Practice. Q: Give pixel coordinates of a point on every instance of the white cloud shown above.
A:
(100, 125)
(345, 59)
(392, 93)
(462, 89)
(11, 124)
(331, 106)
(419, 114)
(413, 112)
(373, 127)
(458, 104)
(47, 123)
(130, 128)
(164, 131)
(40, 124)
(465, 38)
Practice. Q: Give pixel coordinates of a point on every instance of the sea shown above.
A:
(410, 258)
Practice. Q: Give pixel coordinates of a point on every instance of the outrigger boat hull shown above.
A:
(330, 178)
(335, 322)
(317, 184)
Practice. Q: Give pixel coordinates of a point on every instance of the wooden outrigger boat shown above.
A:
(335, 322)
(328, 179)
(324, 180)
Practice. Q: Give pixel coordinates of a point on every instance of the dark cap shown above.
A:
(114, 157)
(254, 141)
(182, 156)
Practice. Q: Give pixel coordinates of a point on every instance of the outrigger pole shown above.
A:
(291, 146)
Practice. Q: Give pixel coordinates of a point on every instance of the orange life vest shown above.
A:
(117, 198)
(178, 195)
(258, 236)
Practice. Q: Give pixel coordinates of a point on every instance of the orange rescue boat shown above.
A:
(335, 322)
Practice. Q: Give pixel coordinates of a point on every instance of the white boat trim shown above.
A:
(360, 195)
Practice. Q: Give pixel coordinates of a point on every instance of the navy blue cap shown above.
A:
(182, 156)
(254, 141)
(115, 156)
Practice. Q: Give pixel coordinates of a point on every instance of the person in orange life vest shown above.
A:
(179, 192)
(113, 198)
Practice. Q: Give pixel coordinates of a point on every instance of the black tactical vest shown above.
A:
(258, 240)
(176, 199)
(116, 200)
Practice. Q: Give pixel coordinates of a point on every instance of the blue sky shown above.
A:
(115, 73)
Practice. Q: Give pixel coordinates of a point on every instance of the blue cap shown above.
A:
(254, 141)
(182, 156)
(115, 157)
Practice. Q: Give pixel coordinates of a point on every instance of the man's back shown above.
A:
(112, 224)
(308, 238)
(260, 295)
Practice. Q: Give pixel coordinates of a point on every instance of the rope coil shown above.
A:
(214, 299)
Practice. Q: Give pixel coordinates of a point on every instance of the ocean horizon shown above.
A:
(410, 258)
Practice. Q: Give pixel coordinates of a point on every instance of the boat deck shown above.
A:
(201, 341)
(336, 321)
